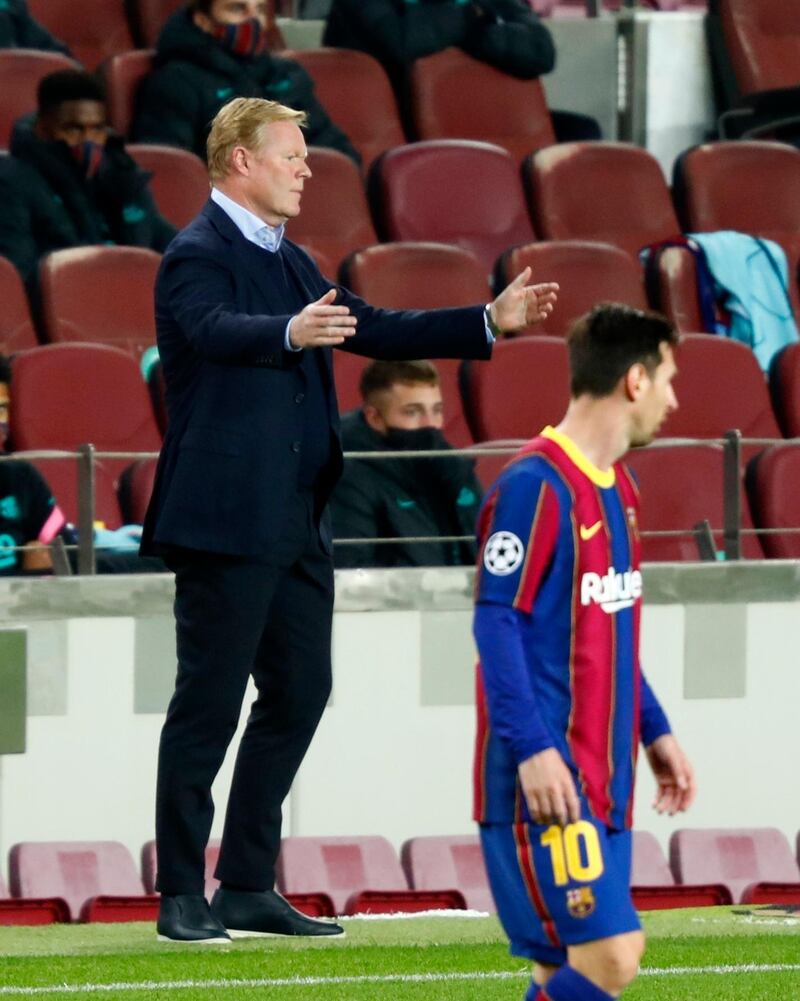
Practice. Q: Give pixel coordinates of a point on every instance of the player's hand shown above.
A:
(549, 789)
(520, 304)
(321, 324)
(673, 772)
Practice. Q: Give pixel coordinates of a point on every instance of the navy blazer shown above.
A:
(227, 473)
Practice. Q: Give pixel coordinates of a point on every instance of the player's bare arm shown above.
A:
(674, 775)
(521, 304)
(549, 788)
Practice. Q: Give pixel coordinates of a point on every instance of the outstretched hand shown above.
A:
(549, 788)
(519, 304)
(321, 324)
(674, 775)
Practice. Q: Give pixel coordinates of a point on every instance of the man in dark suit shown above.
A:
(245, 327)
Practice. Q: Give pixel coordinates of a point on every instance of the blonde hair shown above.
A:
(241, 122)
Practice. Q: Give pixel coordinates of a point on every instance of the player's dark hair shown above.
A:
(67, 85)
(5, 370)
(604, 343)
(379, 376)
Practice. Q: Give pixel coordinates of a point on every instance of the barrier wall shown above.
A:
(392, 755)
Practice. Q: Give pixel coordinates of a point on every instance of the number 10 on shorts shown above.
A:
(574, 852)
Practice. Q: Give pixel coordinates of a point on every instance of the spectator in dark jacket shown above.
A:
(18, 30)
(210, 52)
(403, 497)
(69, 181)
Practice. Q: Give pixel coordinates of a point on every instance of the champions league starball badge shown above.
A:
(503, 553)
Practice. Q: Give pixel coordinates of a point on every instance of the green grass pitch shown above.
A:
(712, 954)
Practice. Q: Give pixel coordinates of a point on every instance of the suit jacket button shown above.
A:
(295, 446)
(299, 398)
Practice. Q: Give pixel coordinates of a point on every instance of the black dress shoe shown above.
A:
(265, 913)
(188, 918)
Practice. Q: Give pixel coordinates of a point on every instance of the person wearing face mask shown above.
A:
(401, 498)
(18, 30)
(210, 52)
(70, 182)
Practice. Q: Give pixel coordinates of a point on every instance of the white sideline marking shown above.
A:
(390, 978)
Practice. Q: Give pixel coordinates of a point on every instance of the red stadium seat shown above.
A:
(653, 885)
(355, 91)
(421, 276)
(69, 394)
(784, 387)
(763, 41)
(649, 866)
(774, 482)
(588, 273)
(437, 862)
(681, 487)
(20, 73)
(122, 74)
(340, 867)
(772, 893)
(347, 371)
(675, 290)
(450, 191)
(97, 879)
(735, 857)
(522, 389)
(335, 219)
(31, 912)
(16, 326)
(454, 96)
(82, 289)
(613, 192)
(709, 181)
(179, 180)
(135, 490)
(62, 478)
(92, 34)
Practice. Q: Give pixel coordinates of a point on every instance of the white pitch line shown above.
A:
(391, 978)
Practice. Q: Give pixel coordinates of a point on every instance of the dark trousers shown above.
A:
(269, 618)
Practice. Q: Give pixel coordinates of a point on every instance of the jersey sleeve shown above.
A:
(42, 517)
(517, 534)
(653, 719)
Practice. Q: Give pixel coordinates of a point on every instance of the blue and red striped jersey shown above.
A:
(558, 601)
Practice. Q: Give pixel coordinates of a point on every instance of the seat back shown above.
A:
(72, 870)
(422, 276)
(649, 866)
(784, 387)
(454, 96)
(355, 91)
(20, 73)
(62, 478)
(136, 489)
(774, 483)
(450, 191)
(338, 866)
(613, 192)
(149, 862)
(347, 371)
(763, 43)
(588, 273)
(522, 389)
(335, 218)
(92, 34)
(449, 863)
(82, 289)
(675, 290)
(123, 74)
(16, 326)
(732, 856)
(179, 180)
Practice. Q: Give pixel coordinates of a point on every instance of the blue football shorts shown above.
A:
(559, 886)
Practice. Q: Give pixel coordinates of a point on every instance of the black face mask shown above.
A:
(415, 439)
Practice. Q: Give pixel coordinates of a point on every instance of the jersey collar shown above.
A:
(603, 478)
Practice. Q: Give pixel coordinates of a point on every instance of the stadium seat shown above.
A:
(355, 91)
(347, 371)
(772, 893)
(342, 867)
(454, 96)
(653, 886)
(735, 857)
(681, 487)
(97, 879)
(45, 911)
(122, 74)
(135, 490)
(708, 184)
(522, 389)
(335, 218)
(438, 862)
(649, 866)
(784, 387)
(450, 191)
(83, 288)
(673, 290)
(421, 276)
(20, 73)
(588, 273)
(613, 192)
(16, 326)
(62, 478)
(179, 180)
(92, 34)
(69, 394)
(150, 16)
(774, 486)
